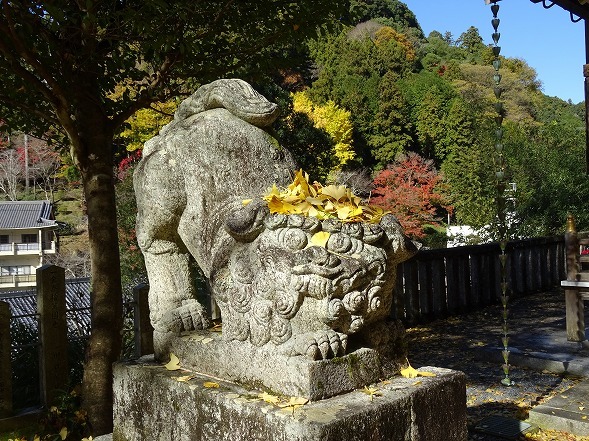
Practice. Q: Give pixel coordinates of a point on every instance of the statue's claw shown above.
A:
(191, 316)
(321, 345)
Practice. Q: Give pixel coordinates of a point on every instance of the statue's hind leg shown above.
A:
(172, 298)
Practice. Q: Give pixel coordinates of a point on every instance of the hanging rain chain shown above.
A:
(500, 186)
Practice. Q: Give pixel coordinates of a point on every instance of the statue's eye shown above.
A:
(295, 239)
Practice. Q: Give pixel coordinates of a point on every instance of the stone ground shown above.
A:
(456, 343)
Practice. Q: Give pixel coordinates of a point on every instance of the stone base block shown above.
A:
(152, 404)
(266, 368)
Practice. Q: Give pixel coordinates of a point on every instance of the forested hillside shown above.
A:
(404, 119)
(420, 108)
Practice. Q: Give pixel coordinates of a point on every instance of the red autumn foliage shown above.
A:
(127, 163)
(409, 189)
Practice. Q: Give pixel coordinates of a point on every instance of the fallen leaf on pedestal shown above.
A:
(294, 401)
(411, 372)
(184, 378)
(293, 404)
(372, 392)
(173, 364)
(269, 398)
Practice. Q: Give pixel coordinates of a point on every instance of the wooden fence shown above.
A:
(53, 343)
(442, 282)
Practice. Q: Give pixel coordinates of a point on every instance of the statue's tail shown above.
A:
(235, 95)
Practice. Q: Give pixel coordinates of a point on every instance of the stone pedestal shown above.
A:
(151, 404)
(265, 367)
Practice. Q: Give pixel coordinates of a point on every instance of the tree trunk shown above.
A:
(104, 346)
(93, 152)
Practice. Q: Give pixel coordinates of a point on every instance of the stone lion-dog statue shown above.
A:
(272, 285)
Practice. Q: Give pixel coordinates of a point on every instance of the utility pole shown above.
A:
(26, 163)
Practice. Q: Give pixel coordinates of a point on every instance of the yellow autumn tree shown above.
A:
(387, 34)
(146, 123)
(337, 122)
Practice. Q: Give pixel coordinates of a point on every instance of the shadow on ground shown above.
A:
(454, 342)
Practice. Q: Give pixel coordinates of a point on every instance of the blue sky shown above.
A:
(546, 38)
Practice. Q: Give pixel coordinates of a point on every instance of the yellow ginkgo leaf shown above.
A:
(320, 238)
(410, 372)
(87, 439)
(63, 433)
(173, 364)
(335, 191)
(36, 438)
(344, 212)
(246, 202)
(269, 398)
(294, 401)
(184, 378)
(372, 392)
(211, 385)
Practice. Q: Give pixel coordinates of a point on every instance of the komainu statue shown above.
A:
(273, 284)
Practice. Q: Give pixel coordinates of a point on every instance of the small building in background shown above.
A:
(28, 233)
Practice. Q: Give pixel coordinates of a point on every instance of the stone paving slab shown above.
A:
(568, 412)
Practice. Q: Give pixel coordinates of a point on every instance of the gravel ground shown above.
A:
(453, 342)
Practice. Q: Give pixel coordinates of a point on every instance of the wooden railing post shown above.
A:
(53, 357)
(5, 365)
(142, 324)
(575, 316)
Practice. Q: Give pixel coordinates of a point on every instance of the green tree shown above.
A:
(472, 42)
(469, 177)
(60, 62)
(359, 74)
(391, 135)
(393, 11)
(430, 125)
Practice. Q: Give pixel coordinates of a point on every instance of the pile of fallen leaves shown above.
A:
(315, 200)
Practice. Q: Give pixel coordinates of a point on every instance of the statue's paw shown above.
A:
(191, 316)
(320, 345)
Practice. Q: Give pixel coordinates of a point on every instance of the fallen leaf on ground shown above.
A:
(211, 385)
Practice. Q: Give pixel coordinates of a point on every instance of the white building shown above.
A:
(27, 235)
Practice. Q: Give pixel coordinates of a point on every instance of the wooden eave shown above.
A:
(579, 8)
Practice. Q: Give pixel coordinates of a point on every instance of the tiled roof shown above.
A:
(26, 214)
(23, 307)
